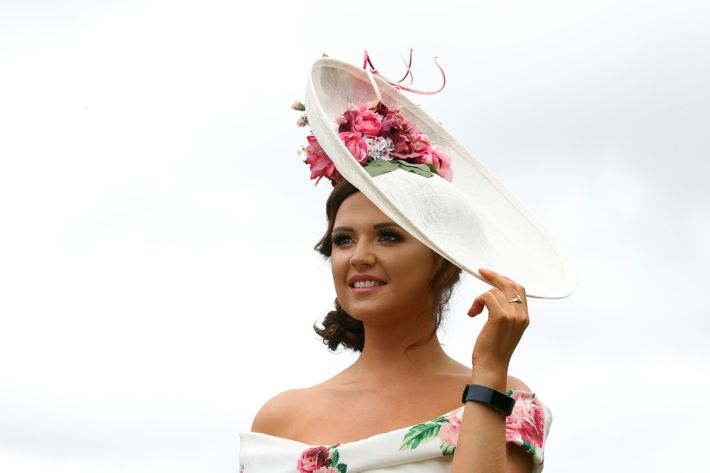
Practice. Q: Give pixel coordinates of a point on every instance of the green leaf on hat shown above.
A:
(421, 169)
(382, 166)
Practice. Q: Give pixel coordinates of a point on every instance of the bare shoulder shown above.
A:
(275, 416)
(516, 384)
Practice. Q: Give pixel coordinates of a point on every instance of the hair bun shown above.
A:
(339, 328)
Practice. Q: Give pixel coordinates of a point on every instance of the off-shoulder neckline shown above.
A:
(260, 434)
(445, 414)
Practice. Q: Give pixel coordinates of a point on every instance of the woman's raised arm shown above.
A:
(481, 446)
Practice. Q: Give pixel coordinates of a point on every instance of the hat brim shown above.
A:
(473, 221)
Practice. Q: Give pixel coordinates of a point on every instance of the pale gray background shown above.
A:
(157, 282)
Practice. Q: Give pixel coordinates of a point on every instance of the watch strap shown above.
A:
(491, 397)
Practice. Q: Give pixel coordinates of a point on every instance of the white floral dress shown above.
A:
(427, 447)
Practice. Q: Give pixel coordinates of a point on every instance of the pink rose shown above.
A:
(527, 420)
(320, 163)
(423, 139)
(313, 460)
(449, 431)
(402, 145)
(368, 123)
(427, 156)
(392, 124)
(356, 145)
(326, 469)
(346, 119)
(408, 140)
(444, 162)
(313, 145)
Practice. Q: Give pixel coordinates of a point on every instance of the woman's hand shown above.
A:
(505, 325)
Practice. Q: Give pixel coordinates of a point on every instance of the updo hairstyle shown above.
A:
(339, 328)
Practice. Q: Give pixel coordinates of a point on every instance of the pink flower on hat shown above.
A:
(368, 123)
(444, 164)
(348, 117)
(371, 132)
(320, 163)
(427, 156)
(356, 145)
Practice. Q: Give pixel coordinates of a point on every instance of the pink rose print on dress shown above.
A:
(449, 431)
(321, 459)
(313, 460)
(527, 421)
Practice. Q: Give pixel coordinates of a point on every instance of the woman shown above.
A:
(403, 377)
(398, 407)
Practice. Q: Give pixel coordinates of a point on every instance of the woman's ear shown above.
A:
(438, 263)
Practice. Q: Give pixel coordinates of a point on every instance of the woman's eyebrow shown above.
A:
(376, 226)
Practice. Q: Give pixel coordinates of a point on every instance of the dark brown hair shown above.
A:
(339, 328)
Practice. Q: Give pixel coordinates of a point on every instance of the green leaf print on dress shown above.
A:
(445, 428)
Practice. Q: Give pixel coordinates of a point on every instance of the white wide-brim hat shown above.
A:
(473, 221)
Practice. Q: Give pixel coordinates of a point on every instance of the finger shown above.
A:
(504, 283)
(487, 299)
(476, 307)
(496, 279)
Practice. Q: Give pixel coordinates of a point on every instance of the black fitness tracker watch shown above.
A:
(491, 397)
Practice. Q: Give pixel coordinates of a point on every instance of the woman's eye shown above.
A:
(390, 236)
(340, 239)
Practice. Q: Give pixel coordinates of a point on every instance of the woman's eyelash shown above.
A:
(338, 239)
(390, 235)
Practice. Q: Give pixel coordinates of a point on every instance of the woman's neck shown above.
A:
(402, 350)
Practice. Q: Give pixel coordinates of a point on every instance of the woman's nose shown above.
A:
(363, 255)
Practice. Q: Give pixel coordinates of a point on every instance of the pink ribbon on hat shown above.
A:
(367, 61)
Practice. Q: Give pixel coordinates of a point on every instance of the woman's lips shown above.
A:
(364, 278)
(360, 290)
(363, 283)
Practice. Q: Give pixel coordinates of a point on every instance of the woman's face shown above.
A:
(379, 270)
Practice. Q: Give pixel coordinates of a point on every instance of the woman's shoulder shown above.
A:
(284, 413)
(516, 384)
(274, 416)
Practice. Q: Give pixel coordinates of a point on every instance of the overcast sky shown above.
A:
(157, 282)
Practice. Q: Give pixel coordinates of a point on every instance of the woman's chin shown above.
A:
(372, 312)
